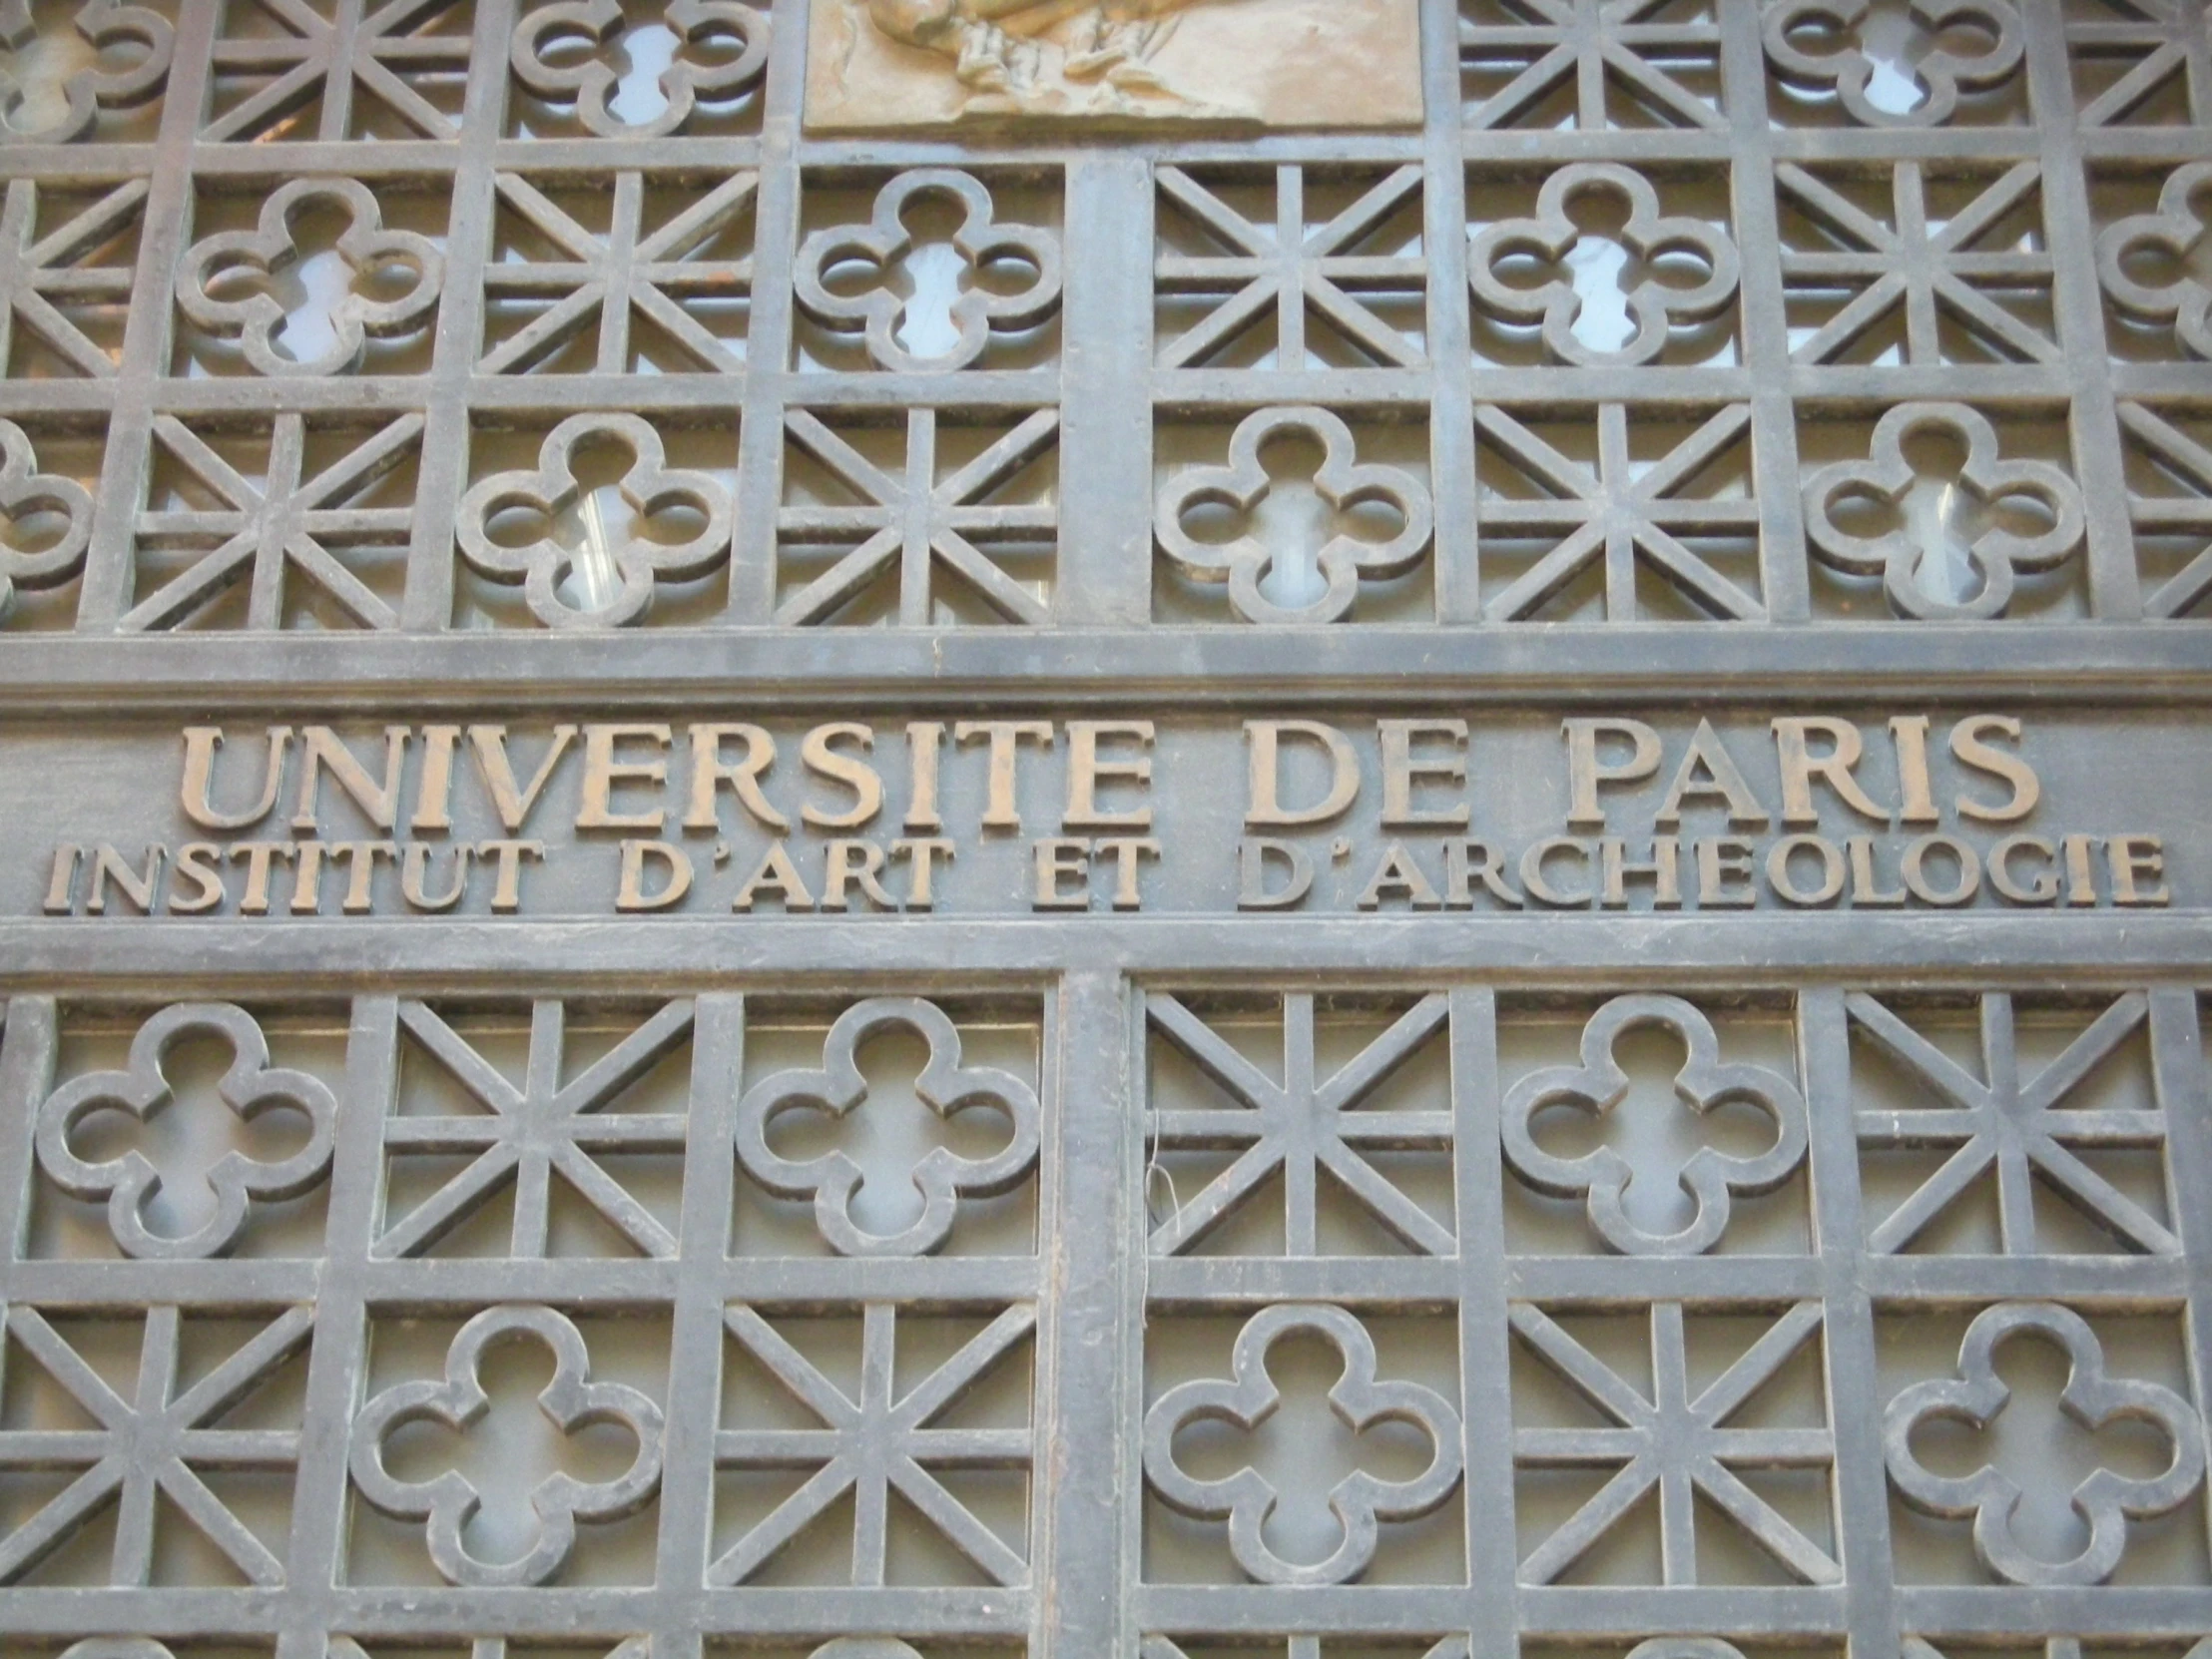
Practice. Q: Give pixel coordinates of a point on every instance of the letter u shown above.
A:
(198, 792)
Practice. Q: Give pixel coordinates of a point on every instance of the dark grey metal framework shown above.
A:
(2086, 375)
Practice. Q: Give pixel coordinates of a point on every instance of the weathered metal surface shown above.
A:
(1347, 894)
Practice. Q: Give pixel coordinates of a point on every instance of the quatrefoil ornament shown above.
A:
(1655, 307)
(943, 1176)
(1248, 1397)
(129, 1183)
(1900, 555)
(1942, 74)
(2107, 1501)
(26, 493)
(557, 55)
(1344, 481)
(1600, 1178)
(2171, 232)
(105, 25)
(650, 487)
(879, 311)
(571, 1402)
(225, 284)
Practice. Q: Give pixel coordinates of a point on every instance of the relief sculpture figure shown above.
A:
(875, 65)
(1001, 46)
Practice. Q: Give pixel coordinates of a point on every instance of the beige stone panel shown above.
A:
(877, 65)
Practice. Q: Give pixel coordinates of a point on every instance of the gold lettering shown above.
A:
(604, 772)
(1587, 771)
(778, 874)
(1912, 867)
(1264, 804)
(1086, 772)
(61, 886)
(1800, 767)
(198, 863)
(1720, 777)
(2081, 881)
(1720, 860)
(511, 803)
(1539, 885)
(507, 857)
(1909, 734)
(141, 888)
(922, 857)
(815, 755)
(323, 751)
(1059, 860)
(924, 749)
(1664, 868)
(414, 877)
(2134, 859)
(1252, 891)
(307, 880)
(1967, 745)
(1782, 877)
(1399, 877)
(1404, 771)
(632, 893)
(850, 863)
(1002, 805)
(196, 793)
(433, 813)
(1866, 889)
(709, 771)
(1128, 853)
(1466, 862)
(2042, 888)
(259, 856)
(360, 868)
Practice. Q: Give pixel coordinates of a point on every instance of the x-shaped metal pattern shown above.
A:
(881, 1443)
(1918, 268)
(267, 530)
(1618, 515)
(1292, 268)
(2016, 1129)
(546, 1126)
(1675, 1441)
(630, 270)
(151, 1446)
(360, 52)
(1300, 1127)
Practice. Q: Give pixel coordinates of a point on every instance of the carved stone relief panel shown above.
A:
(887, 64)
(1105, 829)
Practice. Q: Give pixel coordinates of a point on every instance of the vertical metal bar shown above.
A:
(1133, 1234)
(1452, 446)
(338, 1366)
(1086, 1467)
(1485, 1347)
(767, 346)
(1289, 294)
(2116, 586)
(1862, 1493)
(27, 1052)
(2184, 1093)
(164, 221)
(1785, 580)
(696, 1353)
(427, 606)
(1104, 579)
